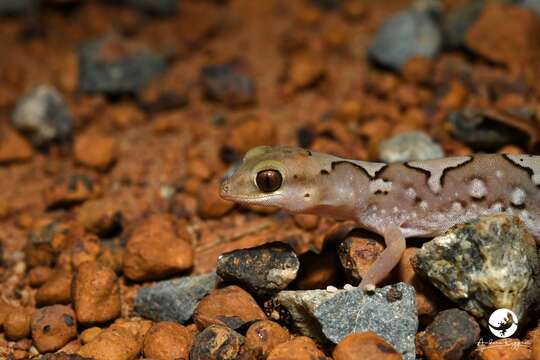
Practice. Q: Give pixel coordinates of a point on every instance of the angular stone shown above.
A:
(263, 269)
(43, 116)
(403, 36)
(390, 312)
(483, 265)
(174, 300)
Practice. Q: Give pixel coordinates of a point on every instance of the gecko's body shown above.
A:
(415, 198)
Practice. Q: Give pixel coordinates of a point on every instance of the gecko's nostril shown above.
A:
(225, 187)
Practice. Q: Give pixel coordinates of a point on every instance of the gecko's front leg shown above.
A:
(389, 258)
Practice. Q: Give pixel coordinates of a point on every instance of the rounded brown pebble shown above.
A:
(299, 348)
(451, 334)
(535, 347)
(17, 324)
(230, 306)
(13, 147)
(114, 343)
(263, 336)
(167, 341)
(95, 150)
(418, 70)
(216, 342)
(102, 217)
(306, 221)
(53, 327)
(90, 334)
(39, 275)
(5, 310)
(56, 290)
(96, 294)
(357, 254)
(371, 346)
(85, 249)
(156, 250)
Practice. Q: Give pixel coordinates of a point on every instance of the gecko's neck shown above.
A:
(342, 193)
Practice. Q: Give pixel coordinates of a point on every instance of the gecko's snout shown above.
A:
(225, 186)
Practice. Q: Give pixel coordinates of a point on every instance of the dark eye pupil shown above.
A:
(269, 180)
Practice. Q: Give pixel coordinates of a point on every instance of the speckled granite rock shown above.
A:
(486, 264)
(42, 115)
(174, 300)
(263, 269)
(390, 312)
(414, 145)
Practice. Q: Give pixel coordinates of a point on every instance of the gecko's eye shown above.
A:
(269, 180)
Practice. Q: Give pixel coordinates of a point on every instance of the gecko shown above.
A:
(421, 198)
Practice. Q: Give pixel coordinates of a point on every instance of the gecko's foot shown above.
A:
(369, 288)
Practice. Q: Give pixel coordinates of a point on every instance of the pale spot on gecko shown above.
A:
(477, 189)
(518, 197)
(456, 206)
(379, 185)
(498, 207)
(423, 205)
(410, 193)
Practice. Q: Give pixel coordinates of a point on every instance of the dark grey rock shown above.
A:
(483, 265)
(263, 269)
(414, 145)
(450, 335)
(115, 66)
(327, 5)
(390, 312)
(403, 36)
(228, 83)
(483, 130)
(174, 300)
(156, 7)
(16, 7)
(43, 116)
(457, 22)
(216, 342)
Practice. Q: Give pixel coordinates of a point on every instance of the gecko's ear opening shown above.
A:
(256, 151)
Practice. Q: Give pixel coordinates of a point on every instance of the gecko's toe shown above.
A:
(369, 288)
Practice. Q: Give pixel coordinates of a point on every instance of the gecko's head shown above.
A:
(285, 177)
